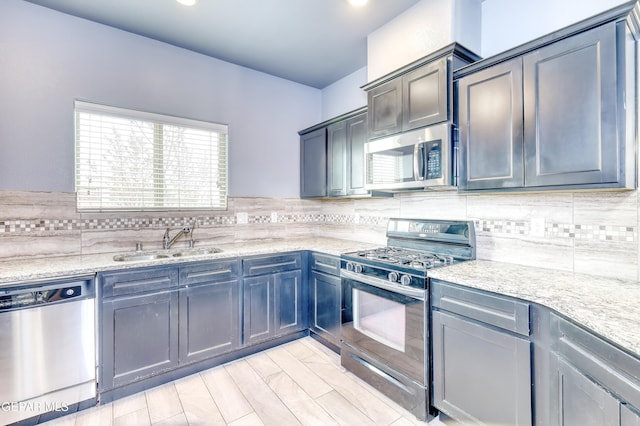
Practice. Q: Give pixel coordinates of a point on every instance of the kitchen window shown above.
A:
(133, 160)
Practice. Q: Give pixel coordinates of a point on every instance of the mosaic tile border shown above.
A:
(593, 232)
(496, 226)
(40, 225)
(49, 225)
(561, 230)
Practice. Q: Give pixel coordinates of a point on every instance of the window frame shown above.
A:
(156, 119)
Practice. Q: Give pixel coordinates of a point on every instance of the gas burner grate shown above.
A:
(406, 258)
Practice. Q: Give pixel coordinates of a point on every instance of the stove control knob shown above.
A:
(405, 280)
(393, 276)
(358, 268)
(350, 266)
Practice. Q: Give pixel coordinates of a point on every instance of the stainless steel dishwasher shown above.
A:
(47, 347)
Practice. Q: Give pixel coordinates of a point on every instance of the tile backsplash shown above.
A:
(590, 232)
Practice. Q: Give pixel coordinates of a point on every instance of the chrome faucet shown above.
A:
(167, 242)
(192, 242)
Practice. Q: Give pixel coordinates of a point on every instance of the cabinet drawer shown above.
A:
(121, 283)
(499, 311)
(216, 271)
(271, 264)
(325, 263)
(608, 365)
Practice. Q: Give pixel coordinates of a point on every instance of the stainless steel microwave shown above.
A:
(418, 159)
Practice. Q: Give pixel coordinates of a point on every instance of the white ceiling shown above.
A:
(313, 42)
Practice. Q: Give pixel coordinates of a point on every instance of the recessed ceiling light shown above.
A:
(187, 2)
(358, 3)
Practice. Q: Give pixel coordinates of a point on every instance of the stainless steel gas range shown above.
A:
(385, 306)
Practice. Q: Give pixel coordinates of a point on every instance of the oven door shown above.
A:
(386, 325)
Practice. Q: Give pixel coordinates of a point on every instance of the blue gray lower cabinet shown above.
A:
(593, 382)
(273, 297)
(159, 323)
(325, 298)
(210, 308)
(139, 326)
(481, 371)
(581, 401)
(502, 360)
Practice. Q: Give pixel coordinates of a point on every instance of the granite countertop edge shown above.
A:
(607, 306)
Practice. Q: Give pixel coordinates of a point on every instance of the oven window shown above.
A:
(379, 318)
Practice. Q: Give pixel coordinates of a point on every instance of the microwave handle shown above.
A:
(418, 162)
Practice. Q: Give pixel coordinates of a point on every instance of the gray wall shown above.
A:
(49, 59)
(344, 95)
(508, 23)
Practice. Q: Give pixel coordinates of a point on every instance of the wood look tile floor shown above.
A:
(298, 383)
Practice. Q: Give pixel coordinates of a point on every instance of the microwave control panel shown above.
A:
(433, 153)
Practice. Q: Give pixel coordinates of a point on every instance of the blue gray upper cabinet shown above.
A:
(491, 130)
(416, 95)
(556, 113)
(313, 164)
(332, 163)
(346, 140)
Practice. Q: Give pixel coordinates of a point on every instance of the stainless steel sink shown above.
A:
(196, 252)
(132, 257)
(140, 256)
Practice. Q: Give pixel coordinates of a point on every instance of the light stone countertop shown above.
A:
(16, 271)
(608, 307)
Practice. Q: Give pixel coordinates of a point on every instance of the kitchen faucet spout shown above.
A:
(167, 242)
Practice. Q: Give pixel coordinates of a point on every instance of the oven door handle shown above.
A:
(383, 284)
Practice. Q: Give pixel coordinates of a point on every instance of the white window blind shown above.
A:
(132, 160)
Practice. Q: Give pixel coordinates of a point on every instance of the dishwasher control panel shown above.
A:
(34, 294)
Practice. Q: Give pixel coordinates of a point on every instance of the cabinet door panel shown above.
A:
(356, 137)
(480, 375)
(140, 337)
(570, 111)
(325, 298)
(385, 109)
(614, 369)
(313, 163)
(337, 165)
(425, 100)
(628, 416)
(209, 320)
(582, 402)
(491, 138)
(288, 298)
(258, 304)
